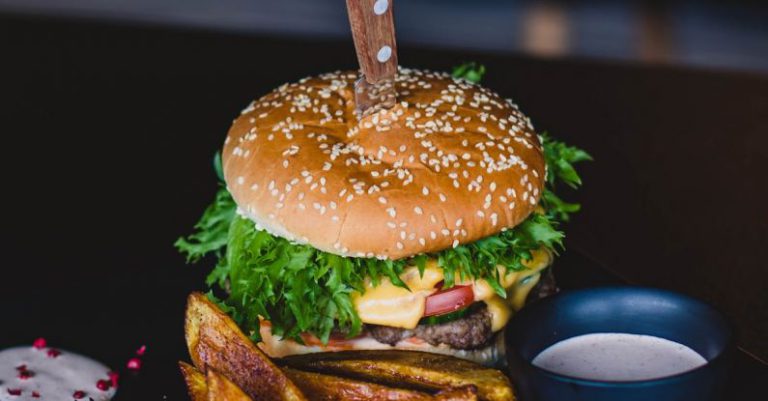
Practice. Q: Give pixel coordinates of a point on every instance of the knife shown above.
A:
(373, 31)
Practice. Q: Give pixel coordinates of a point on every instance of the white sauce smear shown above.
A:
(51, 378)
(618, 357)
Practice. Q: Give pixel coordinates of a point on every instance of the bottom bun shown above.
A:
(490, 355)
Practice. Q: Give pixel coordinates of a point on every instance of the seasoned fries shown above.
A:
(196, 383)
(322, 387)
(463, 393)
(230, 367)
(215, 341)
(420, 370)
(221, 389)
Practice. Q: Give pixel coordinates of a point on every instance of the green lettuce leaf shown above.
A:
(472, 72)
(301, 289)
(210, 234)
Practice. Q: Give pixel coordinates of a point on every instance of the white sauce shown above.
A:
(618, 357)
(52, 378)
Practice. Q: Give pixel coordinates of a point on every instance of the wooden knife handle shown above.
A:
(373, 31)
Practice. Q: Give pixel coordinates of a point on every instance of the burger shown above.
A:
(425, 226)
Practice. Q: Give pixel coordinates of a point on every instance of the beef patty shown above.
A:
(468, 332)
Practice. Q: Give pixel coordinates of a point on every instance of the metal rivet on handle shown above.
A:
(384, 54)
(380, 6)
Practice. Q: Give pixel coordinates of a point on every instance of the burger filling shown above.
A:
(464, 316)
(470, 329)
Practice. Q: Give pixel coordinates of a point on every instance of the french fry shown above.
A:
(322, 387)
(196, 384)
(221, 389)
(463, 393)
(418, 370)
(215, 342)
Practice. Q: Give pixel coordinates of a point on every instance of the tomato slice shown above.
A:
(449, 300)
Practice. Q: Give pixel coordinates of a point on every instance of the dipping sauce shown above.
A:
(618, 357)
(37, 374)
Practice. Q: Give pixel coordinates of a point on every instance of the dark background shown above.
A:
(108, 129)
(711, 33)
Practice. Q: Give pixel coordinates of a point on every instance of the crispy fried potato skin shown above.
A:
(196, 384)
(463, 393)
(419, 370)
(322, 387)
(221, 389)
(215, 341)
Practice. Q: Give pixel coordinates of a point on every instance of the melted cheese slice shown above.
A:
(500, 311)
(389, 305)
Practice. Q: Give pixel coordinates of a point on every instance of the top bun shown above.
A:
(450, 163)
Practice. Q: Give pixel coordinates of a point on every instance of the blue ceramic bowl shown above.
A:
(625, 309)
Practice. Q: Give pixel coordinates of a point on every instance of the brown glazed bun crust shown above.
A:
(451, 163)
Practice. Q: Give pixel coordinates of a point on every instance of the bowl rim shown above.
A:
(724, 352)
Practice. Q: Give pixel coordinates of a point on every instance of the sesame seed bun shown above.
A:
(451, 163)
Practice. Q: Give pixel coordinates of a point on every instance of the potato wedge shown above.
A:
(418, 370)
(221, 389)
(215, 341)
(322, 387)
(196, 384)
(463, 393)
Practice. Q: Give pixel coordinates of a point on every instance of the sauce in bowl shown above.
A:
(39, 373)
(618, 357)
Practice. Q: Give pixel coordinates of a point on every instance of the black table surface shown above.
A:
(108, 133)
